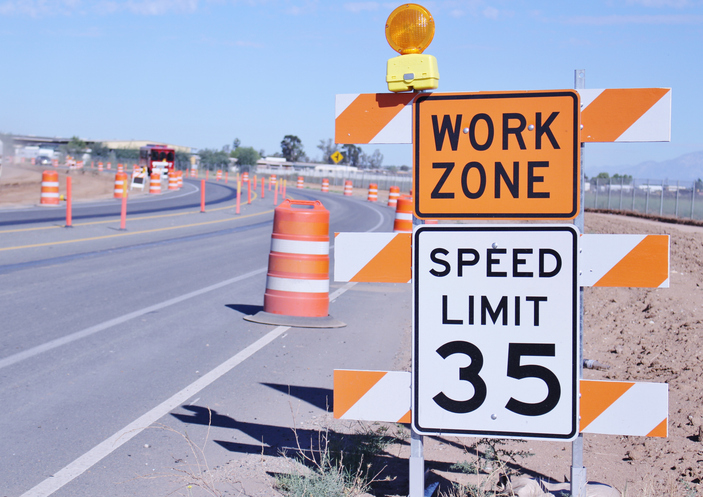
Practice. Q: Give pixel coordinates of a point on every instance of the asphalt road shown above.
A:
(186, 198)
(115, 343)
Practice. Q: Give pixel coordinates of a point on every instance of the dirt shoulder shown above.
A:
(20, 186)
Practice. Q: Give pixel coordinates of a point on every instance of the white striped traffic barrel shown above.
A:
(348, 188)
(49, 188)
(297, 282)
(403, 216)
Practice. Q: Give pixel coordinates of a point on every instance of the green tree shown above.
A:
(212, 159)
(76, 146)
(246, 157)
(292, 148)
(376, 159)
(603, 176)
(352, 154)
(328, 147)
(626, 178)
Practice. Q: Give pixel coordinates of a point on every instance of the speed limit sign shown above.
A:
(496, 330)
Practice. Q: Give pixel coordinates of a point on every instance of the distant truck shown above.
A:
(157, 157)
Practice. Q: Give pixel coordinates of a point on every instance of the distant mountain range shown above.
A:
(687, 167)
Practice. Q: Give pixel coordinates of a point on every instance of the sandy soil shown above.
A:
(641, 334)
(649, 335)
(20, 186)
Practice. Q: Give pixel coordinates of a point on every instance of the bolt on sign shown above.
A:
(497, 155)
(496, 336)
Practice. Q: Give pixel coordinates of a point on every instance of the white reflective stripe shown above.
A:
(299, 286)
(49, 183)
(49, 195)
(637, 412)
(299, 247)
(404, 216)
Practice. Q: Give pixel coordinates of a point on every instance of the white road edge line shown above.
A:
(26, 354)
(108, 446)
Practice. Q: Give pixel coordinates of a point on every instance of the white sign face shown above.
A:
(496, 330)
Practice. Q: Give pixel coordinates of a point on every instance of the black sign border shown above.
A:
(575, 335)
(487, 215)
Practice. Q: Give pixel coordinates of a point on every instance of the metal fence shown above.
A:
(360, 179)
(681, 199)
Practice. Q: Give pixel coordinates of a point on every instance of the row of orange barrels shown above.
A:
(50, 184)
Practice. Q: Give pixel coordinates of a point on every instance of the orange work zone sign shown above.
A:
(497, 155)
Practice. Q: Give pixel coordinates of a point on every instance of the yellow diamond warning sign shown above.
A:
(497, 155)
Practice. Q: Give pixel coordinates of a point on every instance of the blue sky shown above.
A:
(203, 72)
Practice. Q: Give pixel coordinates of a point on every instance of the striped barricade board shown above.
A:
(606, 407)
(607, 115)
(620, 260)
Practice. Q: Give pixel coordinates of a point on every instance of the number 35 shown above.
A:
(516, 370)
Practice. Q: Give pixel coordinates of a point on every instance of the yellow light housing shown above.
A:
(409, 29)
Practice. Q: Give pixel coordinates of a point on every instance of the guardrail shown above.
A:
(680, 199)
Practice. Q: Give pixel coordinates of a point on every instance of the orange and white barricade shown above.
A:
(219, 175)
(373, 192)
(193, 172)
(155, 184)
(393, 194)
(301, 182)
(348, 188)
(325, 185)
(403, 216)
(273, 181)
(180, 179)
(245, 177)
(297, 281)
(120, 182)
(120, 168)
(100, 166)
(173, 180)
(49, 188)
(109, 165)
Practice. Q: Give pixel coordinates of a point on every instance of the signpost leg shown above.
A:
(578, 471)
(417, 465)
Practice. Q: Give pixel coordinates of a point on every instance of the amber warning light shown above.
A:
(409, 31)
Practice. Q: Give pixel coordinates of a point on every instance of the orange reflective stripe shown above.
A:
(642, 267)
(350, 386)
(367, 115)
(661, 430)
(615, 110)
(391, 264)
(596, 397)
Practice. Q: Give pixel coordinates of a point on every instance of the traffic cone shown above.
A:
(348, 188)
(180, 179)
(297, 282)
(219, 175)
(403, 216)
(325, 185)
(49, 188)
(301, 182)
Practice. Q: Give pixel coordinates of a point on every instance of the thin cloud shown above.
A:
(357, 7)
(491, 13)
(38, 8)
(634, 19)
(677, 4)
(44, 8)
